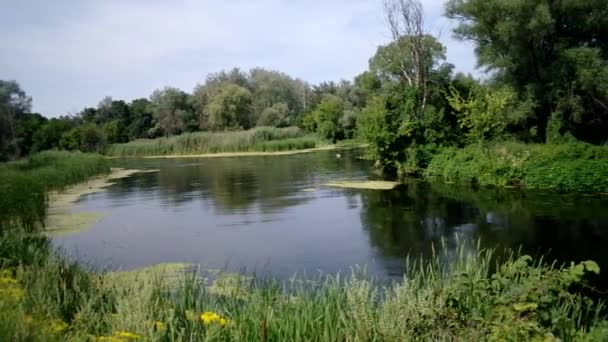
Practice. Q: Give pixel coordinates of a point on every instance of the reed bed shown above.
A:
(24, 185)
(260, 139)
(461, 294)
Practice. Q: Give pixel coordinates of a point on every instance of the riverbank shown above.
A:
(456, 294)
(567, 168)
(46, 297)
(257, 140)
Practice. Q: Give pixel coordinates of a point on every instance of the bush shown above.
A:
(573, 167)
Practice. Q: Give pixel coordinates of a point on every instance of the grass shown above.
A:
(25, 185)
(456, 295)
(459, 294)
(261, 139)
(575, 167)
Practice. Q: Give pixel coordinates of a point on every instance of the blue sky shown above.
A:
(70, 54)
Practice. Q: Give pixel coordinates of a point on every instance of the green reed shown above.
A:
(261, 139)
(24, 185)
(462, 294)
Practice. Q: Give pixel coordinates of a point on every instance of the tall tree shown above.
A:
(170, 107)
(13, 103)
(405, 19)
(231, 108)
(554, 51)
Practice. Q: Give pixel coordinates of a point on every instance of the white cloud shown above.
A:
(127, 48)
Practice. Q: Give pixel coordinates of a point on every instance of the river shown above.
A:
(275, 216)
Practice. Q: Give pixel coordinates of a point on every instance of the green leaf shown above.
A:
(592, 266)
(522, 307)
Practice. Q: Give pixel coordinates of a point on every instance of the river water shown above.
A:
(274, 215)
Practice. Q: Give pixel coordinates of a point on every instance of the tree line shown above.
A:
(546, 81)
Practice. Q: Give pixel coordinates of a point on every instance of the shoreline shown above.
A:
(241, 154)
(61, 219)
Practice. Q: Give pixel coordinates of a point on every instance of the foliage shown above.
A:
(485, 114)
(573, 167)
(13, 104)
(456, 294)
(85, 138)
(554, 51)
(259, 139)
(231, 108)
(325, 119)
(275, 116)
(171, 110)
(27, 126)
(49, 135)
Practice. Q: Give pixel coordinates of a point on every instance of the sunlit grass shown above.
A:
(458, 294)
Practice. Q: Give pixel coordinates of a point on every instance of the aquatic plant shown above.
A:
(463, 294)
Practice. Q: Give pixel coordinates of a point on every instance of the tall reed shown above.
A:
(24, 185)
(461, 294)
(260, 139)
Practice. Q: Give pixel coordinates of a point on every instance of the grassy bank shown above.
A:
(24, 185)
(262, 139)
(44, 297)
(456, 295)
(562, 168)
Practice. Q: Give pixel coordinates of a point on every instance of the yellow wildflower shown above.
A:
(126, 335)
(119, 336)
(159, 326)
(209, 317)
(12, 292)
(7, 281)
(110, 339)
(59, 326)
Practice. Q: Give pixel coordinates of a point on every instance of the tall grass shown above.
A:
(24, 185)
(575, 167)
(456, 295)
(261, 139)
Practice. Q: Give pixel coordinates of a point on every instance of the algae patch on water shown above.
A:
(61, 219)
(369, 185)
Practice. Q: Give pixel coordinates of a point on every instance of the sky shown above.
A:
(69, 54)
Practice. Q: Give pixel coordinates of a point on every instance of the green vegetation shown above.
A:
(260, 139)
(547, 66)
(24, 185)
(45, 297)
(562, 168)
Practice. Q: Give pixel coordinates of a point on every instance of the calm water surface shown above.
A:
(274, 215)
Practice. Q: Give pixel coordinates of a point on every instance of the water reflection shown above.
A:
(257, 213)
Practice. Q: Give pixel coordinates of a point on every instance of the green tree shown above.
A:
(171, 108)
(485, 113)
(141, 119)
(231, 108)
(325, 119)
(13, 104)
(50, 134)
(27, 125)
(554, 51)
(277, 115)
(85, 138)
